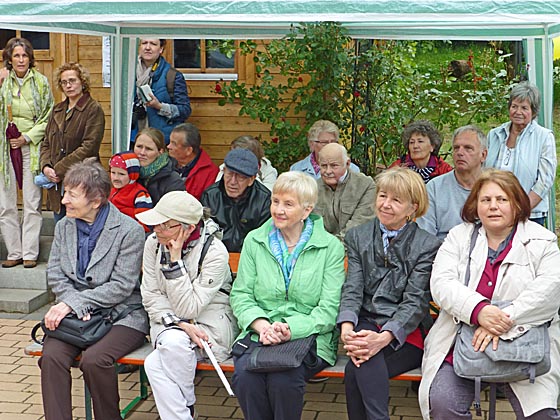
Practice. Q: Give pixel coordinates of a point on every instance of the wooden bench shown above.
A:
(138, 356)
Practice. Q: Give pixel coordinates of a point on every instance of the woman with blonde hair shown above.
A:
(287, 287)
(157, 174)
(384, 310)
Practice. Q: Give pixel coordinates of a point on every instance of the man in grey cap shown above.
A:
(237, 203)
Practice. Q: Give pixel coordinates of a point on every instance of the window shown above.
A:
(200, 56)
(39, 40)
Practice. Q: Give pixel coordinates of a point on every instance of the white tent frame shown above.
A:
(535, 22)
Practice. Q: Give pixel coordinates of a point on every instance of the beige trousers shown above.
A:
(21, 236)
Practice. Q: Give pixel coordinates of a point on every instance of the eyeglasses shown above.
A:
(324, 143)
(163, 227)
(69, 82)
(507, 156)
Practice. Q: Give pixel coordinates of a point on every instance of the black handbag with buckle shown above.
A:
(274, 358)
(79, 333)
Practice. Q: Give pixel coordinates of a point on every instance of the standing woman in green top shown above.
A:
(288, 286)
(26, 95)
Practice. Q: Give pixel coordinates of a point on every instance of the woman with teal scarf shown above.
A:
(288, 287)
(156, 167)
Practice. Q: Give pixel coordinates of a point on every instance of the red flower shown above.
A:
(218, 88)
(356, 94)
(362, 129)
(300, 79)
(274, 139)
(283, 118)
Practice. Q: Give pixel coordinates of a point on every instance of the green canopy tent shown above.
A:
(535, 22)
(532, 21)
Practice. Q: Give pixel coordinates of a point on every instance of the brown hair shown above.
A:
(425, 128)
(405, 183)
(81, 71)
(249, 143)
(9, 50)
(91, 177)
(509, 183)
(155, 135)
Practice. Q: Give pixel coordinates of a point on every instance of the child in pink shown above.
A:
(128, 195)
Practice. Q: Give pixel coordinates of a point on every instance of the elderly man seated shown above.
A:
(345, 197)
(237, 203)
(448, 192)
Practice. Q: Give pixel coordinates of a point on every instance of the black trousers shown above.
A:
(97, 365)
(367, 387)
(273, 396)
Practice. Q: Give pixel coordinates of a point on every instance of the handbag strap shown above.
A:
(472, 244)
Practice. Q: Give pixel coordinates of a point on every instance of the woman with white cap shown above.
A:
(185, 290)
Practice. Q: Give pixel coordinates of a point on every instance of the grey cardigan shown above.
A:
(393, 290)
(113, 273)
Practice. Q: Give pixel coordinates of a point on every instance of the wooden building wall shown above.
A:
(218, 125)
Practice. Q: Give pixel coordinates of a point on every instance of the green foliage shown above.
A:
(370, 89)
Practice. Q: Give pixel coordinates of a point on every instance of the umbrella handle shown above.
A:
(10, 115)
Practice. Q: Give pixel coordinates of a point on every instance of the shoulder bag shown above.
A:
(524, 357)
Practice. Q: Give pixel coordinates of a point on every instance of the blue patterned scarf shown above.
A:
(87, 238)
(280, 250)
(389, 234)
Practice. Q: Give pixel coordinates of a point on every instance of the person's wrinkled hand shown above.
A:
(482, 339)
(175, 246)
(364, 344)
(51, 174)
(56, 314)
(496, 321)
(195, 333)
(17, 143)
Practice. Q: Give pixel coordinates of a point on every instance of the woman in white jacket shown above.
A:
(186, 296)
(514, 260)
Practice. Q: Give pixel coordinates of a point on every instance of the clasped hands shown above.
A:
(363, 345)
(492, 322)
(271, 334)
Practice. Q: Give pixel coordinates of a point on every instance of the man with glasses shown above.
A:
(237, 203)
(320, 134)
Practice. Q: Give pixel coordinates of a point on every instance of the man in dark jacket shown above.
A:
(238, 203)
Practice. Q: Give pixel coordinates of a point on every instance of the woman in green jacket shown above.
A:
(288, 287)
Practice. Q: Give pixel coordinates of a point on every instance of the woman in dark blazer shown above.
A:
(94, 264)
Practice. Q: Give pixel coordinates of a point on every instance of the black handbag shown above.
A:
(279, 357)
(79, 333)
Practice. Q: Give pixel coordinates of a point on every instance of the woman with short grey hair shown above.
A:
(94, 265)
(525, 148)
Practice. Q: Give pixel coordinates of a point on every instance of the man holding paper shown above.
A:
(161, 99)
(185, 290)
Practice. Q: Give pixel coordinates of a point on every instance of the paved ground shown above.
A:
(20, 392)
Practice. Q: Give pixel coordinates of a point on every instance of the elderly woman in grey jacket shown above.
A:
(185, 290)
(384, 310)
(94, 264)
